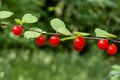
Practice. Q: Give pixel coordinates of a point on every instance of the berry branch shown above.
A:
(58, 25)
(67, 38)
(91, 38)
(97, 38)
(49, 33)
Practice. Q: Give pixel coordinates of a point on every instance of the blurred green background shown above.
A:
(21, 59)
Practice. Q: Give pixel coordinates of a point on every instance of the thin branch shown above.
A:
(116, 41)
(92, 38)
(31, 29)
(49, 33)
(97, 38)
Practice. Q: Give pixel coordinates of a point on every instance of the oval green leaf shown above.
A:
(29, 18)
(101, 33)
(32, 34)
(5, 14)
(57, 23)
(64, 31)
(59, 26)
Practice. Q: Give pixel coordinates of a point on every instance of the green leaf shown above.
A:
(101, 33)
(32, 34)
(5, 14)
(59, 26)
(111, 35)
(19, 21)
(81, 34)
(29, 18)
(37, 29)
(64, 31)
(57, 23)
(116, 67)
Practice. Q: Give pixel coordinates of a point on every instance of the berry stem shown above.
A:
(97, 38)
(63, 39)
(49, 33)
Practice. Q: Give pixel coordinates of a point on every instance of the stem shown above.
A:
(92, 38)
(96, 38)
(49, 33)
(31, 29)
(116, 41)
(63, 39)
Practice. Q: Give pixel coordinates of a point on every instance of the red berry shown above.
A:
(40, 40)
(54, 41)
(79, 43)
(17, 30)
(112, 49)
(102, 44)
(77, 48)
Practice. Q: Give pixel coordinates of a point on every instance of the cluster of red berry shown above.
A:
(78, 42)
(102, 44)
(53, 40)
(40, 40)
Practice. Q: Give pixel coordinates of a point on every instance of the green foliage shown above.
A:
(59, 26)
(45, 64)
(19, 21)
(68, 38)
(32, 34)
(115, 72)
(5, 14)
(29, 18)
(81, 33)
(101, 33)
(22, 60)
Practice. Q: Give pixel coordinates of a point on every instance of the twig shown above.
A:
(49, 33)
(97, 38)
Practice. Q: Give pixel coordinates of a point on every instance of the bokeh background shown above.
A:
(21, 59)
